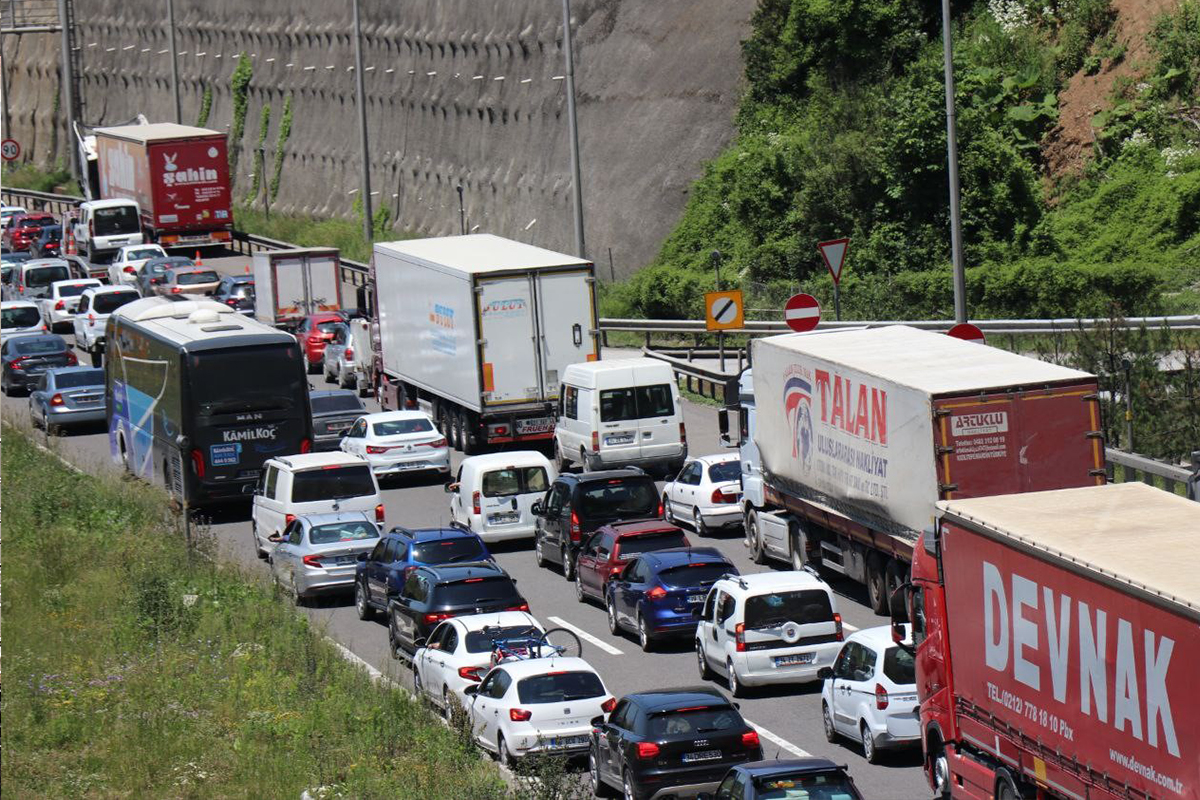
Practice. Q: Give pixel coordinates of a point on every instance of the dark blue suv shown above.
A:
(656, 594)
(380, 574)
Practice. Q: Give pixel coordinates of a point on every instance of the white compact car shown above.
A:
(493, 493)
(20, 317)
(706, 493)
(458, 653)
(129, 259)
(91, 315)
(768, 628)
(58, 308)
(870, 693)
(538, 705)
(394, 442)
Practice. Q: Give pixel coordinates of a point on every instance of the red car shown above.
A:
(24, 229)
(610, 547)
(314, 333)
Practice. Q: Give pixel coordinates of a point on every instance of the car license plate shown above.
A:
(568, 741)
(695, 598)
(536, 425)
(346, 559)
(337, 427)
(620, 438)
(503, 519)
(703, 755)
(794, 659)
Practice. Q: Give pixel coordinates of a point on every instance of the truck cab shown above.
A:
(105, 226)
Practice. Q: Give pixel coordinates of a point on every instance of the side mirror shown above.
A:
(536, 509)
(598, 722)
(472, 690)
(899, 634)
(362, 557)
(723, 427)
(824, 673)
(698, 613)
(275, 537)
(449, 488)
(249, 488)
(419, 642)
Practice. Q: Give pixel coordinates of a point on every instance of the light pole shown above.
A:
(368, 221)
(960, 279)
(68, 89)
(462, 214)
(174, 61)
(573, 130)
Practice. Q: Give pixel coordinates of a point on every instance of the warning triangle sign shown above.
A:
(834, 253)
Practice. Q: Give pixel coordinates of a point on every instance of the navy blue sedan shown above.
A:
(67, 396)
(656, 594)
(25, 358)
(381, 575)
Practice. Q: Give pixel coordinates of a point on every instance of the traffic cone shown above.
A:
(199, 263)
(247, 269)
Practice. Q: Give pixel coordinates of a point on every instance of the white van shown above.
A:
(104, 226)
(620, 413)
(492, 494)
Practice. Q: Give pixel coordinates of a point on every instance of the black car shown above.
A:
(333, 412)
(669, 742)
(237, 291)
(379, 575)
(814, 778)
(25, 358)
(434, 593)
(48, 243)
(577, 504)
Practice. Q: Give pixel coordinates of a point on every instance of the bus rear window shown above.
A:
(338, 483)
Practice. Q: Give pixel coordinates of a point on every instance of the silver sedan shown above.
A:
(317, 553)
(67, 396)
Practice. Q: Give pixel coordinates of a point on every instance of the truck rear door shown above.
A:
(507, 325)
(289, 285)
(1022, 441)
(324, 284)
(566, 316)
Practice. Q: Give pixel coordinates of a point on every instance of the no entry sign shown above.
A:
(802, 312)
(967, 332)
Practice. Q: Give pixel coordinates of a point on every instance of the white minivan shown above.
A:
(493, 493)
(624, 412)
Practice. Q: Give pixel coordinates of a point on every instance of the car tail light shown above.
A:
(198, 464)
(18, 362)
(519, 714)
(719, 496)
(349, 353)
(230, 302)
(60, 305)
(608, 705)
(576, 532)
(312, 561)
(750, 739)
(432, 619)
(739, 634)
(379, 513)
(595, 441)
(837, 620)
(660, 509)
(129, 270)
(682, 434)
(374, 450)
(175, 290)
(57, 400)
(436, 443)
(305, 445)
(881, 697)
(647, 750)
(72, 359)
(475, 503)
(471, 673)
(519, 607)
(91, 317)
(657, 593)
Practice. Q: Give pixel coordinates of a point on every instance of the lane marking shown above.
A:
(779, 741)
(851, 628)
(582, 634)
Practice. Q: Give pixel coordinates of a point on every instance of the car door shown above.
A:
(485, 711)
(629, 589)
(457, 490)
(608, 743)
(393, 570)
(268, 517)
(81, 312)
(285, 559)
(354, 440)
(377, 554)
(841, 688)
(552, 518)
(860, 686)
(657, 420)
(405, 610)
(428, 659)
(686, 493)
(377, 570)
(445, 661)
(721, 634)
(590, 560)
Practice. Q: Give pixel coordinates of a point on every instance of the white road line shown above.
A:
(849, 627)
(779, 742)
(603, 645)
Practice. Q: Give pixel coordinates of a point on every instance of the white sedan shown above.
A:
(538, 705)
(129, 259)
(394, 442)
(59, 307)
(458, 653)
(706, 493)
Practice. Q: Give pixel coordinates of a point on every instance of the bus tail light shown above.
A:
(379, 513)
(198, 463)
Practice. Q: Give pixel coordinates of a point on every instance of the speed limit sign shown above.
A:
(10, 149)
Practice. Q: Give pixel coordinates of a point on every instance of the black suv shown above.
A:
(434, 593)
(816, 778)
(577, 504)
(681, 740)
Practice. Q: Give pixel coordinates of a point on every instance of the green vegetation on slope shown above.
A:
(842, 132)
(136, 669)
(305, 231)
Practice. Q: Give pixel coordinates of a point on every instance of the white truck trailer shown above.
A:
(291, 284)
(477, 330)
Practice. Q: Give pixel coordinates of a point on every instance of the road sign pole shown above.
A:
(721, 348)
(960, 280)
(174, 62)
(837, 301)
(573, 131)
(68, 89)
(368, 219)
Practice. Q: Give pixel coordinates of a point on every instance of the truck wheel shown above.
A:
(797, 543)
(467, 427)
(1006, 787)
(754, 539)
(876, 585)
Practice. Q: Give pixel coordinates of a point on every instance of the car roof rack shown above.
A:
(738, 579)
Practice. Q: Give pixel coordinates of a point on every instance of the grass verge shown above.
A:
(138, 667)
(344, 234)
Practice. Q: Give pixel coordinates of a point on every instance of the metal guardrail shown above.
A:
(1154, 472)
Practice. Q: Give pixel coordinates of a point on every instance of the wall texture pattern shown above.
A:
(458, 92)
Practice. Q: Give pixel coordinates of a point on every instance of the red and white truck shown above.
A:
(177, 174)
(850, 437)
(1057, 641)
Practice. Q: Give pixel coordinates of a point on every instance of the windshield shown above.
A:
(137, 253)
(397, 427)
(819, 786)
(620, 499)
(701, 719)
(559, 687)
(802, 607)
(51, 232)
(247, 378)
(110, 301)
(20, 317)
(725, 471)
(641, 402)
(192, 278)
(73, 380)
(44, 276)
(353, 531)
(336, 402)
(514, 480)
(115, 221)
(332, 483)
(629, 546)
(695, 574)
(74, 289)
(328, 327)
(478, 591)
(446, 551)
(13, 258)
(481, 641)
(40, 347)
(899, 666)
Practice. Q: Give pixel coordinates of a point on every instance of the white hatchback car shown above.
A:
(537, 705)
(768, 628)
(494, 493)
(706, 493)
(394, 442)
(20, 317)
(870, 693)
(91, 316)
(458, 653)
(58, 308)
(123, 271)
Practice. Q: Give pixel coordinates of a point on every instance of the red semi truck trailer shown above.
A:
(179, 176)
(1057, 641)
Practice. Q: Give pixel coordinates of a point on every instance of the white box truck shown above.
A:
(477, 330)
(291, 284)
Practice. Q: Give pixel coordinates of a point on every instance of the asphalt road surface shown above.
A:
(789, 718)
